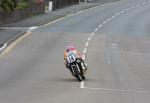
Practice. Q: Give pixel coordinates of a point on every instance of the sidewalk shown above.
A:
(48, 17)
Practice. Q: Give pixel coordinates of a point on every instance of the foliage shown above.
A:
(8, 5)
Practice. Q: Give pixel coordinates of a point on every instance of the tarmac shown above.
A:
(10, 32)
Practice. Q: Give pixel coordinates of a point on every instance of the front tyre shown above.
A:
(77, 74)
(83, 77)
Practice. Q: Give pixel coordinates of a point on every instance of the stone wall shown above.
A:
(19, 14)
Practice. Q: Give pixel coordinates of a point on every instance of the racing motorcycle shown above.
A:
(76, 66)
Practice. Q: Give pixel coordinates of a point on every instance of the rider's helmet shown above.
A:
(70, 48)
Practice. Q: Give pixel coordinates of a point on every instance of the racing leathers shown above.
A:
(81, 65)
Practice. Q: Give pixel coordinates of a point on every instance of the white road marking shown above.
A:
(93, 34)
(96, 30)
(117, 14)
(5, 45)
(113, 46)
(104, 22)
(32, 28)
(84, 57)
(84, 51)
(113, 16)
(89, 38)
(116, 90)
(109, 19)
(82, 84)
(127, 9)
(87, 44)
(100, 25)
(12, 45)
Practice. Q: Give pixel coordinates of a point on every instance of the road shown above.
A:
(115, 38)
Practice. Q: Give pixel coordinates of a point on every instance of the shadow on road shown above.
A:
(64, 80)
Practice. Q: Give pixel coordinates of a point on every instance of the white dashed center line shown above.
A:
(82, 85)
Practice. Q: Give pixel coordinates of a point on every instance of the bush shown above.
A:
(8, 5)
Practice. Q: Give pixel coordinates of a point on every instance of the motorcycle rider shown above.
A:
(72, 49)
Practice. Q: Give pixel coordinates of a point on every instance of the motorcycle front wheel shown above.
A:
(77, 74)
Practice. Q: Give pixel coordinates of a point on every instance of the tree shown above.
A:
(8, 5)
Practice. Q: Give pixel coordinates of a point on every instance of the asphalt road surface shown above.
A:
(116, 40)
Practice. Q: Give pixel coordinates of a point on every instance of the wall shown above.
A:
(19, 14)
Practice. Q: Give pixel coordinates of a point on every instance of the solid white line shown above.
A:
(32, 28)
(116, 90)
(4, 46)
(13, 44)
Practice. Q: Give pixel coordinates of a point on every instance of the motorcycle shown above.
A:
(75, 66)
